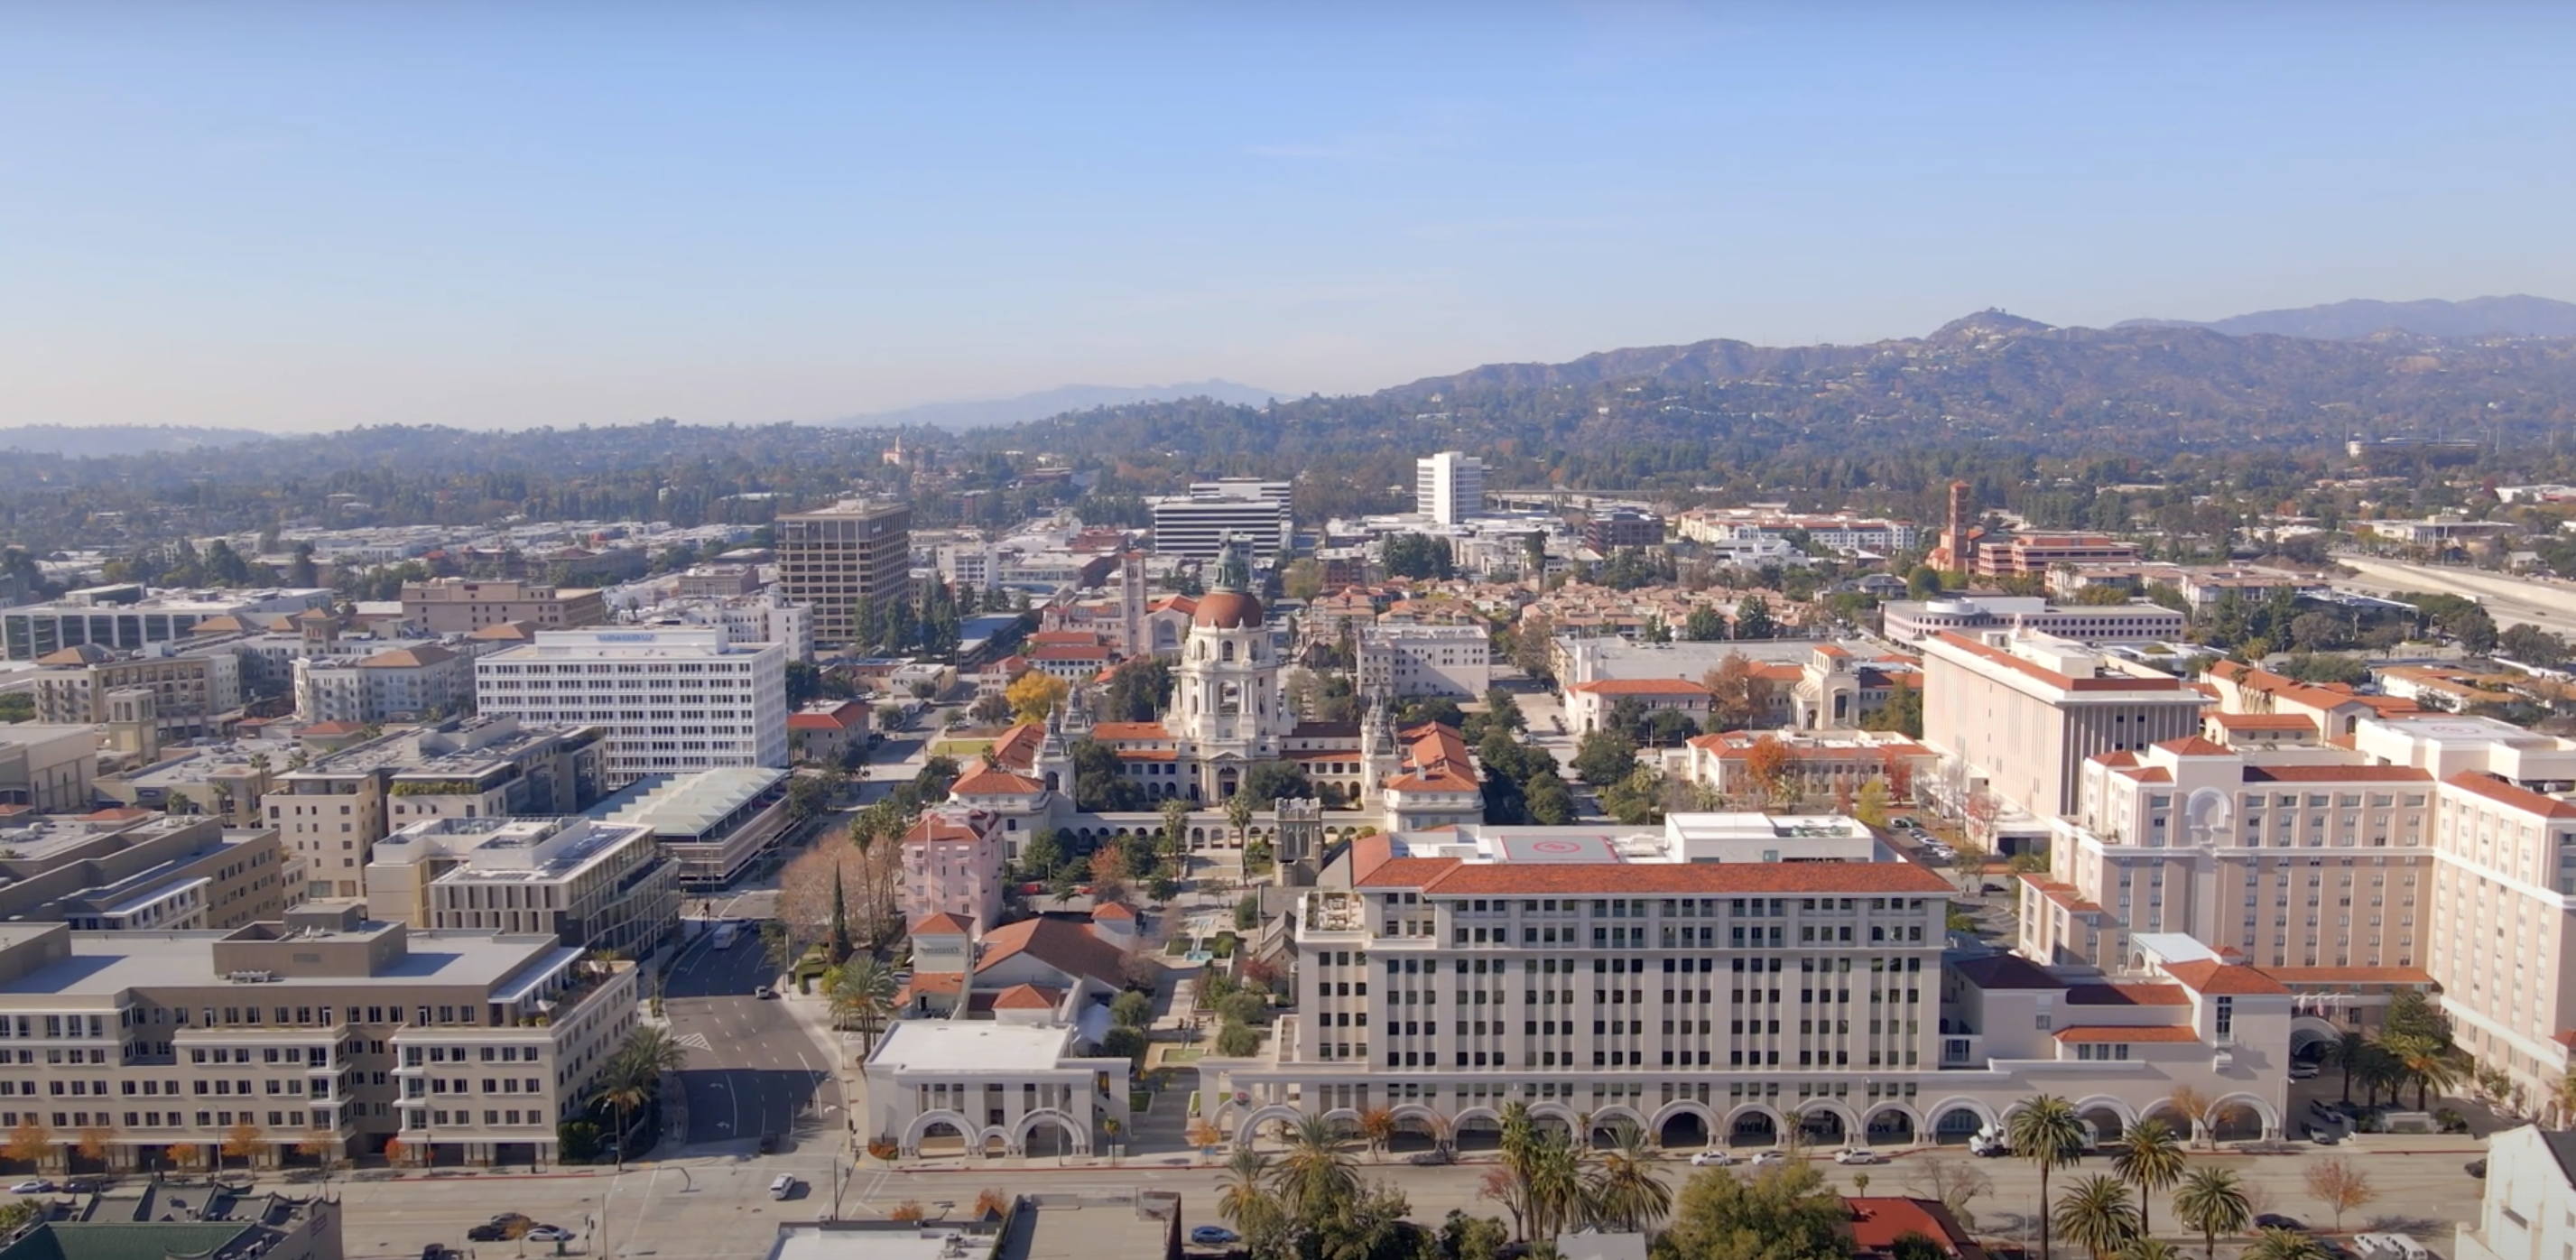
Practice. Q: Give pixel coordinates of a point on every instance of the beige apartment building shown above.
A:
(324, 1026)
(463, 605)
(595, 885)
(2019, 714)
(830, 559)
(130, 870)
(2424, 850)
(190, 691)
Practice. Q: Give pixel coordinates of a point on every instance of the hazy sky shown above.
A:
(307, 216)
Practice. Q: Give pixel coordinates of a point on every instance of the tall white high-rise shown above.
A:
(1449, 487)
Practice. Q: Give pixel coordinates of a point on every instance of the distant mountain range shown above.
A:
(990, 412)
(78, 442)
(2516, 316)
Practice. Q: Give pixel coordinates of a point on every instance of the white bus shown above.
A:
(725, 932)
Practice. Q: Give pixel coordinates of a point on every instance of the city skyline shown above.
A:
(291, 218)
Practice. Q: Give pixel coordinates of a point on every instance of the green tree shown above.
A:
(2097, 1214)
(1704, 625)
(2046, 1131)
(861, 992)
(2211, 1201)
(1923, 582)
(2150, 1157)
(1314, 1175)
(2284, 1244)
(17, 706)
(1625, 1190)
(632, 1077)
(1131, 1009)
(1782, 1212)
(1753, 619)
(1416, 556)
(1604, 757)
(1549, 802)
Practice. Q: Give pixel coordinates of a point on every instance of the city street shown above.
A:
(717, 1207)
(753, 1070)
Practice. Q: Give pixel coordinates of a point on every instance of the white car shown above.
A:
(38, 1186)
(1767, 1157)
(1859, 1155)
(1713, 1159)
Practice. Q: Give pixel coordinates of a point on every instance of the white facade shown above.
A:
(1910, 620)
(1200, 527)
(1016, 1076)
(672, 701)
(1699, 983)
(1426, 661)
(399, 685)
(2529, 1208)
(762, 618)
(1449, 487)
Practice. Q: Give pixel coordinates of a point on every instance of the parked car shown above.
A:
(2274, 1220)
(1436, 1155)
(36, 1186)
(1767, 1157)
(1901, 823)
(2321, 1136)
(1991, 890)
(487, 1233)
(764, 993)
(1214, 1236)
(549, 1233)
(438, 1251)
(1713, 1158)
(1859, 1155)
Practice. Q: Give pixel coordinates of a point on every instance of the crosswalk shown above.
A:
(696, 1041)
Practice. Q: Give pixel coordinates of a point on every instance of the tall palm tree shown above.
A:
(2097, 1213)
(2150, 1158)
(632, 1077)
(2143, 1247)
(863, 992)
(2046, 1131)
(1625, 1190)
(2212, 1201)
(2284, 1244)
(1554, 1187)
(2348, 1052)
(1314, 1176)
(1243, 1186)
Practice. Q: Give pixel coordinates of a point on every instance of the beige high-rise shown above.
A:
(830, 559)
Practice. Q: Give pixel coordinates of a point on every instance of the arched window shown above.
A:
(1229, 700)
(1226, 653)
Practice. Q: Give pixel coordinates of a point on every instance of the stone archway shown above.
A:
(1823, 1123)
(940, 1125)
(1227, 779)
(1476, 1129)
(1684, 1125)
(2107, 1117)
(1889, 1124)
(2242, 1117)
(1753, 1125)
(1955, 1121)
(1069, 1130)
(1606, 1122)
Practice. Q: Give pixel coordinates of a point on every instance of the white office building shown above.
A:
(1242, 512)
(1449, 487)
(672, 701)
(1454, 661)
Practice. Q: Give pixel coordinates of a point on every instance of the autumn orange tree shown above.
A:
(95, 1141)
(30, 1141)
(1771, 766)
(242, 1142)
(181, 1154)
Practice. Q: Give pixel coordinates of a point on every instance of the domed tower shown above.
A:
(1227, 709)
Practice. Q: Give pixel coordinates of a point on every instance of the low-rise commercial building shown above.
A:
(464, 605)
(671, 701)
(1401, 660)
(595, 885)
(397, 685)
(128, 870)
(715, 823)
(1908, 620)
(47, 768)
(128, 618)
(192, 690)
(324, 1027)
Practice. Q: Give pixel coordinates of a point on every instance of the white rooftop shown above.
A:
(687, 804)
(976, 1046)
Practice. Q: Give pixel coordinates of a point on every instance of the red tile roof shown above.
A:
(1068, 947)
(1026, 997)
(942, 924)
(2264, 721)
(1111, 910)
(934, 827)
(1017, 748)
(987, 781)
(2511, 796)
(2208, 976)
(1877, 1222)
(1640, 687)
(2195, 746)
(2336, 774)
(1129, 730)
(2113, 1033)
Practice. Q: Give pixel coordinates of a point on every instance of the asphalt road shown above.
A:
(753, 1070)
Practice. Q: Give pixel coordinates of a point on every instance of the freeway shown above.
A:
(2544, 602)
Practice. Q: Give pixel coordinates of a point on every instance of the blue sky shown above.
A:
(306, 216)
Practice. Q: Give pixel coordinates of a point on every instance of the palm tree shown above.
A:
(1554, 1187)
(1242, 1187)
(863, 992)
(2213, 1202)
(2097, 1213)
(1625, 1191)
(2348, 1052)
(1314, 1177)
(2143, 1247)
(2427, 1062)
(2148, 1157)
(632, 1077)
(2284, 1244)
(2046, 1131)
(2564, 1096)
